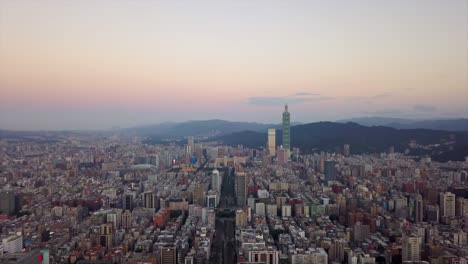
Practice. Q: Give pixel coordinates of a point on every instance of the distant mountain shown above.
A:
(199, 128)
(460, 124)
(329, 136)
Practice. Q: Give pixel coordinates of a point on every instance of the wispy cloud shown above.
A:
(306, 94)
(373, 97)
(279, 100)
(386, 112)
(425, 108)
(381, 96)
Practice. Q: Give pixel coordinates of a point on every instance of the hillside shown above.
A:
(329, 136)
(200, 128)
(460, 124)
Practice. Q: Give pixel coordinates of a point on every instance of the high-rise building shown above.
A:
(346, 150)
(149, 200)
(447, 204)
(241, 188)
(432, 213)
(168, 255)
(190, 147)
(286, 129)
(216, 181)
(360, 232)
(115, 218)
(127, 201)
(283, 155)
(7, 202)
(271, 141)
(411, 250)
(419, 206)
(127, 219)
(330, 171)
(460, 206)
(105, 235)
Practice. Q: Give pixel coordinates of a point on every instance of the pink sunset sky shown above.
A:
(98, 64)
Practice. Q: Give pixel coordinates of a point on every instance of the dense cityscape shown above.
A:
(234, 132)
(90, 198)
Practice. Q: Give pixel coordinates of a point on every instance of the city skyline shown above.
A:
(87, 65)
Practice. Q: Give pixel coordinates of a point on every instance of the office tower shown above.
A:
(330, 171)
(241, 188)
(460, 207)
(168, 255)
(432, 214)
(286, 129)
(115, 218)
(286, 210)
(282, 156)
(7, 202)
(127, 219)
(271, 141)
(419, 209)
(149, 200)
(127, 201)
(411, 250)
(216, 181)
(346, 150)
(447, 204)
(105, 235)
(189, 148)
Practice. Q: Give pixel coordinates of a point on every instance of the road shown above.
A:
(224, 244)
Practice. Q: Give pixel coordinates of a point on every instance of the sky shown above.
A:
(99, 64)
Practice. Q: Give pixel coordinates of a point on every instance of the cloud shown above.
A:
(386, 112)
(424, 108)
(373, 97)
(306, 94)
(380, 96)
(280, 100)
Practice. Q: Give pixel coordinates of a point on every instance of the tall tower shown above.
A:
(271, 141)
(216, 181)
(241, 188)
(286, 129)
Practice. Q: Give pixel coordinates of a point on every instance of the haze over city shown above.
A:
(99, 64)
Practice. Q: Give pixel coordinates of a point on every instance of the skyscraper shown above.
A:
(447, 204)
(419, 209)
(7, 202)
(286, 129)
(149, 200)
(330, 171)
(241, 188)
(271, 141)
(216, 181)
(411, 250)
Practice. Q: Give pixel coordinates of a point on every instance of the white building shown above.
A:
(12, 244)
